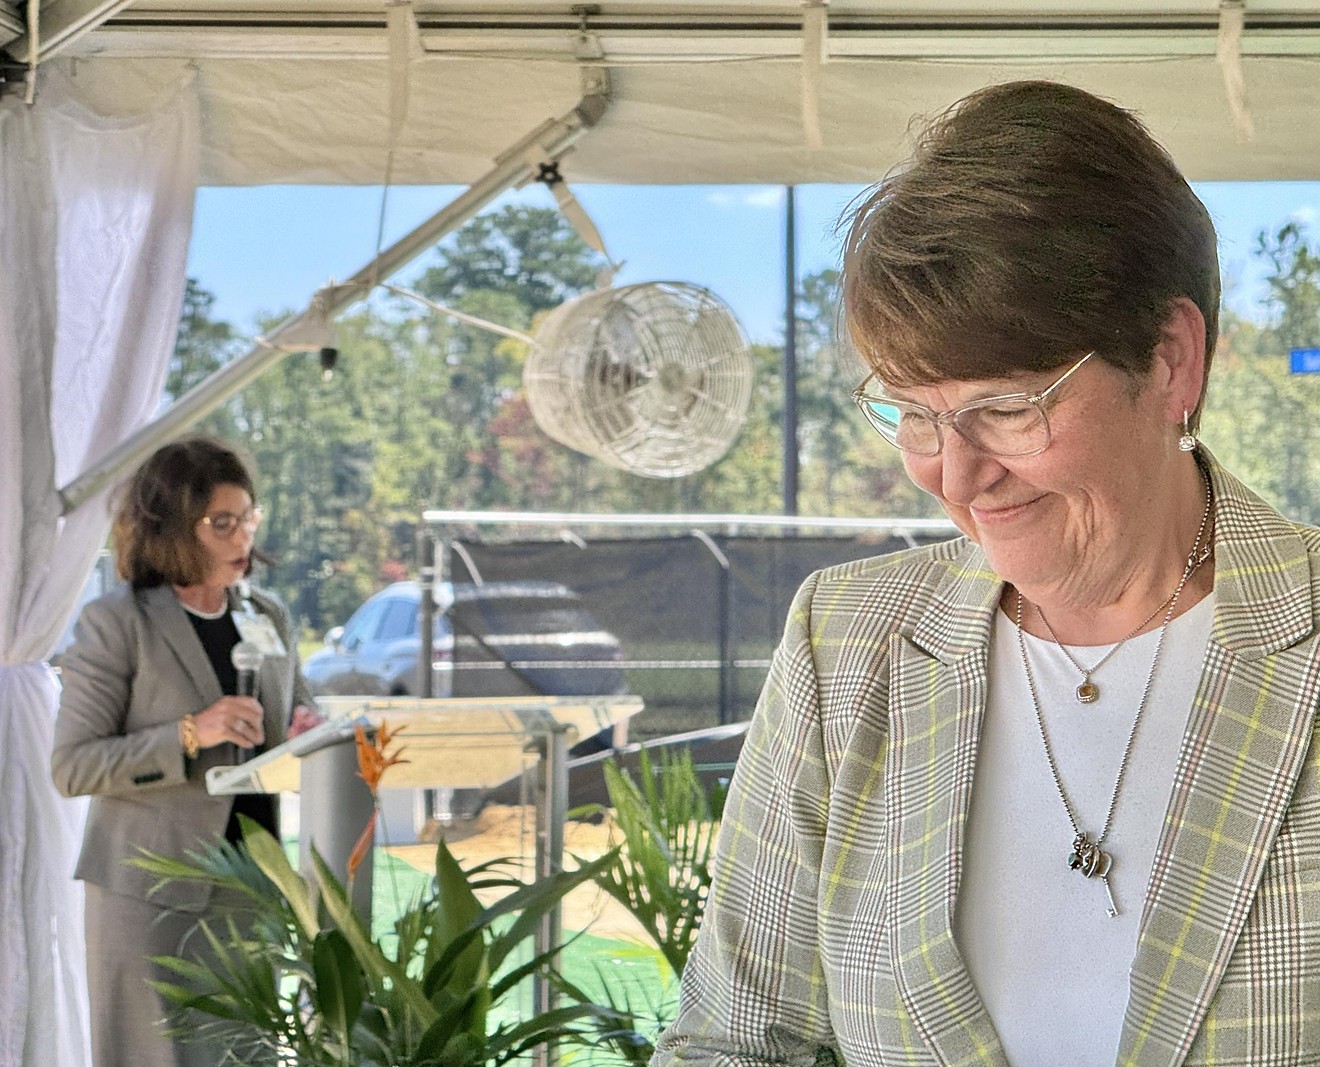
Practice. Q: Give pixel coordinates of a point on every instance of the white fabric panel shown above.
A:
(94, 227)
(315, 121)
(709, 122)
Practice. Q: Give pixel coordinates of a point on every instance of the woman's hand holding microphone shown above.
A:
(239, 720)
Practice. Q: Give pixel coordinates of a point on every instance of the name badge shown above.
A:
(260, 631)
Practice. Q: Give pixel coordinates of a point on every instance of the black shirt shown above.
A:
(218, 637)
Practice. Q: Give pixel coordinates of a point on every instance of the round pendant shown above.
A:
(1088, 692)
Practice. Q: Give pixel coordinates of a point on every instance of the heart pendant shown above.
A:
(1088, 858)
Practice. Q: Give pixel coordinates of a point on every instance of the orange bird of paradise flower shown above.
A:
(374, 759)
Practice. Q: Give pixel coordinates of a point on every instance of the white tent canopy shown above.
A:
(299, 91)
(462, 91)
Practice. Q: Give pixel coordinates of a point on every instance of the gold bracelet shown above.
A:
(192, 744)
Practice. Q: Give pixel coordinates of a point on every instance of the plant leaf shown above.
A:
(534, 900)
(457, 936)
(339, 992)
(269, 855)
(669, 825)
(383, 974)
(547, 1026)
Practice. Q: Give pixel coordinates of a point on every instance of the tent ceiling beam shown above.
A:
(63, 23)
(515, 167)
(638, 37)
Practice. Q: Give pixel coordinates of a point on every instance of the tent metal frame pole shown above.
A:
(434, 555)
(789, 427)
(515, 167)
(723, 612)
(458, 520)
(426, 578)
(64, 23)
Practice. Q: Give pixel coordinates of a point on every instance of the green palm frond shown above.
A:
(293, 976)
(625, 1030)
(669, 822)
(216, 863)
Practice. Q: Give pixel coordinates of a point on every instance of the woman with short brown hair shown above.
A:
(1044, 794)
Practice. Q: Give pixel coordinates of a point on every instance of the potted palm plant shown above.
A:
(294, 976)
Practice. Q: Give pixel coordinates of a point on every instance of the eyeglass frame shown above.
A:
(949, 418)
(250, 519)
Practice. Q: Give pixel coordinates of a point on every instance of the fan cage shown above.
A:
(653, 378)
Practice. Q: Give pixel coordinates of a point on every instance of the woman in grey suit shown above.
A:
(149, 704)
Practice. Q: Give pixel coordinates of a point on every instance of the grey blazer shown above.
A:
(135, 668)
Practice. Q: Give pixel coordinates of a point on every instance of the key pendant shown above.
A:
(1112, 910)
(1092, 861)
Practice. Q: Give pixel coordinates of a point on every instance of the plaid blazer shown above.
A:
(828, 932)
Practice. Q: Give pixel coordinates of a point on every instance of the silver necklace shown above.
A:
(1088, 692)
(1087, 856)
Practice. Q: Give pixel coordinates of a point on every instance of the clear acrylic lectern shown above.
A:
(458, 742)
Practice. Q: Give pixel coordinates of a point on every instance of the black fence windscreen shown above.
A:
(695, 617)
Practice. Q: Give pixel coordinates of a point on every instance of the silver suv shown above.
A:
(495, 639)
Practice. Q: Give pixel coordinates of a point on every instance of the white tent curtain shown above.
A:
(95, 216)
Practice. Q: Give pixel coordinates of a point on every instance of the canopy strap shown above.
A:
(815, 54)
(1228, 54)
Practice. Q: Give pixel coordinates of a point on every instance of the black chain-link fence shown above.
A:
(696, 616)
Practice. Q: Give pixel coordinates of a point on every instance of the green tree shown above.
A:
(530, 253)
(845, 469)
(1293, 283)
(314, 448)
(1259, 418)
(507, 267)
(828, 423)
(426, 412)
(202, 346)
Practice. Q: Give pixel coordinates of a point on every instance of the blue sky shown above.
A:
(266, 249)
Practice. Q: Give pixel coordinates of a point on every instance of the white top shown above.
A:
(1051, 966)
(218, 614)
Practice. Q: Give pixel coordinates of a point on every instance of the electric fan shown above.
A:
(652, 378)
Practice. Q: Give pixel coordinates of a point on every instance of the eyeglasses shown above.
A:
(224, 524)
(1012, 425)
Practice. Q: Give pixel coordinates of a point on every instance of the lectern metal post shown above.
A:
(551, 798)
(335, 808)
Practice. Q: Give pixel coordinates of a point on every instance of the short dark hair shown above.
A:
(1033, 223)
(155, 528)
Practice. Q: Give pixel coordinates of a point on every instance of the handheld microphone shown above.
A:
(246, 657)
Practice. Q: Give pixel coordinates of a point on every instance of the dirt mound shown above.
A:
(509, 832)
